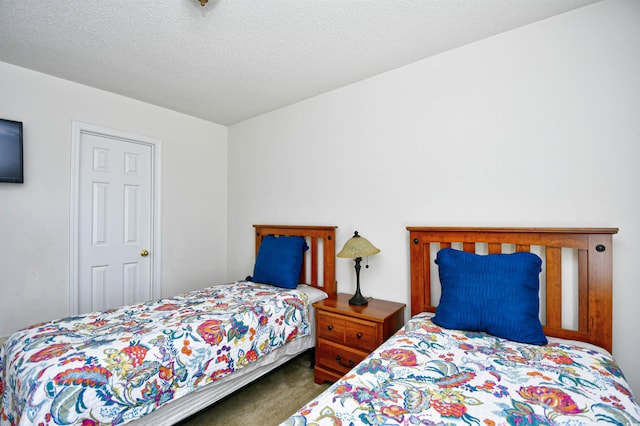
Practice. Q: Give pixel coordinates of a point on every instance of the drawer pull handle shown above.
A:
(359, 335)
(330, 327)
(344, 364)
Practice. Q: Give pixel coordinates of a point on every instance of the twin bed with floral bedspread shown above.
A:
(120, 365)
(485, 358)
(429, 375)
(114, 366)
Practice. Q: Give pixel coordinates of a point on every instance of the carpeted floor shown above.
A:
(268, 401)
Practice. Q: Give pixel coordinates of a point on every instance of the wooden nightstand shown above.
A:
(346, 334)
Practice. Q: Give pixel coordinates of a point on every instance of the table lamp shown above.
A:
(356, 248)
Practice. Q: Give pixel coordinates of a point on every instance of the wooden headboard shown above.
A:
(594, 271)
(320, 257)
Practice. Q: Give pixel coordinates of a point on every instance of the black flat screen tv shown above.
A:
(11, 163)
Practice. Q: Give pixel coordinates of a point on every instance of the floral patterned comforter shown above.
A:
(427, 375)
(114, 366)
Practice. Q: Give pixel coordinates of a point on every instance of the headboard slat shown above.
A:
(583, 288)
(553, 257)
(495, 248)
(313, 246)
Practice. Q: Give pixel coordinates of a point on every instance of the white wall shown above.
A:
(34, 217)
(534, 127)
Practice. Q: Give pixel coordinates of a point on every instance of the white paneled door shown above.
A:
(114, 222)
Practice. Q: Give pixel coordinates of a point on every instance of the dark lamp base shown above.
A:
(358, 300)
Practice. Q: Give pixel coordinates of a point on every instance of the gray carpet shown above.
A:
(268, 401)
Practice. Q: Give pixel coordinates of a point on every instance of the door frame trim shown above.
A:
(77, 130)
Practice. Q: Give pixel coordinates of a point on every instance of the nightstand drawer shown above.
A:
(362, 335)
(338, 358)
(331, 327)
(350, 332)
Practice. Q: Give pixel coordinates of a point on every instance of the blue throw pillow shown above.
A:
(279, 261)
(495, 293)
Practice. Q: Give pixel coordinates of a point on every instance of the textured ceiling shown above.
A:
(234, 59)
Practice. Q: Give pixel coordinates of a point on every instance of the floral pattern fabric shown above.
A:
(427, 375)
(114, 366)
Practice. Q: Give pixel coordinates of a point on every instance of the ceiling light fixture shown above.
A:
(203, 2)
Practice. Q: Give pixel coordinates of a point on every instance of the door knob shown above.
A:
(144, 253)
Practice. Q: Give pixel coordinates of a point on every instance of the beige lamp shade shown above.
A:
(357, 246)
